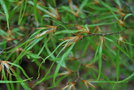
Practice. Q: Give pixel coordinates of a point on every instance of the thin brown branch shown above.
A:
(105, 34)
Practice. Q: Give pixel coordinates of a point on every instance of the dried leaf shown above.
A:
(55, 14)
(68, 72)
(70, 86)
(88, 84)
(120, 22)
(82, 29)
(72, 40)
(90, 66)
(50, 29)
(74, 8)
(8, 68)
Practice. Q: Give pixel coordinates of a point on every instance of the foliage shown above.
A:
(66, 44)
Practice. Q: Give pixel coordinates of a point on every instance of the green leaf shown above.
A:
(2, 2)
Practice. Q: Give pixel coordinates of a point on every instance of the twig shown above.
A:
(104, 34)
